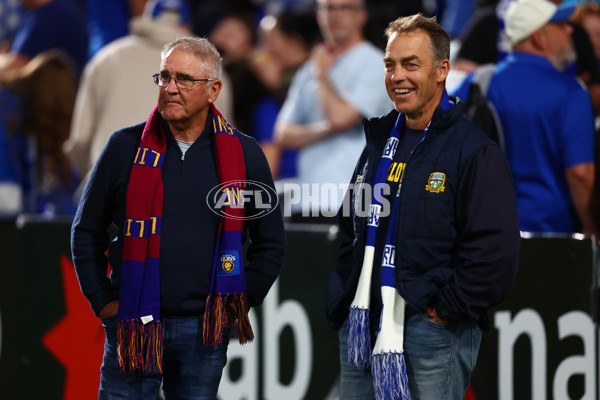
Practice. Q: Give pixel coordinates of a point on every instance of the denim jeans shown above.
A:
(440, 359)
(191, 371)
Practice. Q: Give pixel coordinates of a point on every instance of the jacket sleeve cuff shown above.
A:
(99, 299)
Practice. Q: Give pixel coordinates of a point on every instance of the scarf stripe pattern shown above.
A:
(139, 334)
(227, 302)
(390, 377)
(359, 337)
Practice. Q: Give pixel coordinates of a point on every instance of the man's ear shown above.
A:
(443, 69)
(538, 38)
(214, 89)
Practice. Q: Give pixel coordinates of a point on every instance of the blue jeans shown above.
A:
(191, 371)
(440, 359)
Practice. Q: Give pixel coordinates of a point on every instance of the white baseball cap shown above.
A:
(523, 17)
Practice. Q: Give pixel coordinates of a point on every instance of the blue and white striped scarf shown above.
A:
(387, 357)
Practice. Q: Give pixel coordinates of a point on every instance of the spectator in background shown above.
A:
(483, 40)
(48, 24)
(549, 141)
(15, 163)
(381, 11)
(328, 98)
(109, 20)
(106, 100)
(35, 173)
(236, 38)
(11, 12)
(586, 66)
(293, 6)
(287, 40)
(588, 16)
(456, 15)
(236, 35)
(586, 38)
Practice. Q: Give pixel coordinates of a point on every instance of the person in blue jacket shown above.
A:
(431, 239)
(180, 193)
(549, 142)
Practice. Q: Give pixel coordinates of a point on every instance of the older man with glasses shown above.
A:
(177, 188)
(115, 89)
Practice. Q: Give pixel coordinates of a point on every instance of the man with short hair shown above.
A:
(115, 89)
(547, 120)
(439, 242)
(329, 96)
(175, 189)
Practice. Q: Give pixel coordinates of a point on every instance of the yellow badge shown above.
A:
(436, 182)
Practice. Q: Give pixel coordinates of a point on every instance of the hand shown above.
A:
(323, 58)
(432, 315)
(109, 310)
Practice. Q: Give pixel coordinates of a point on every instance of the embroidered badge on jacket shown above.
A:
(436, 182)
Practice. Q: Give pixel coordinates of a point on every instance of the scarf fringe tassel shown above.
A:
(223, 311)
(359, 337)
(139, 346)
(390, 377)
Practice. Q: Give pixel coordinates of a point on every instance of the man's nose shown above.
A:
(172, 86)
(399, 73)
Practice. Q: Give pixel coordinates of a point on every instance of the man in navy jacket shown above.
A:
(446, 238)
(189, 229)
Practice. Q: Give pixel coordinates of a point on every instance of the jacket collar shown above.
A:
(377, 130)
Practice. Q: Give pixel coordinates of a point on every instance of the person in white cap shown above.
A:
(528, 21)
(547, 119)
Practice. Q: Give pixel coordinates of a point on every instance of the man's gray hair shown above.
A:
(211, 63)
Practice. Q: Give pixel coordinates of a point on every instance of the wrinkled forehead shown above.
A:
(183, 61)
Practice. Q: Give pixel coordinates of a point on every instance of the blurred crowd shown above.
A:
(74, 71)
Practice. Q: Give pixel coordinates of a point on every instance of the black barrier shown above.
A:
(51, 344)
(542, 344)
(32, 302)
(9, 358)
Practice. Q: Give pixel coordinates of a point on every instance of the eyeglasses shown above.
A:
(182, 81)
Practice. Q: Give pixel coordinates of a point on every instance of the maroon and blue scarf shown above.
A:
(139, 332)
